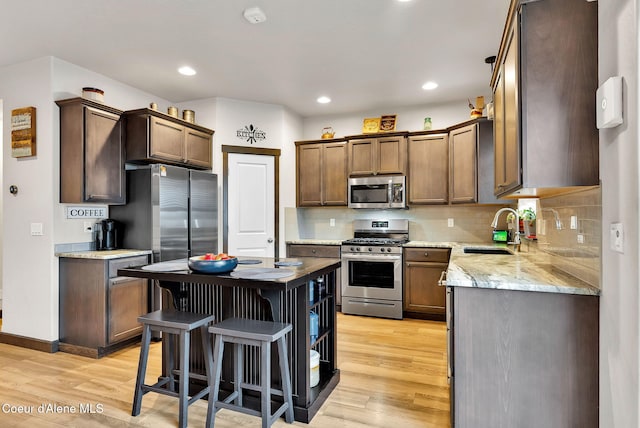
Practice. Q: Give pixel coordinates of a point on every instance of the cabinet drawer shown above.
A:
(126, 262)
(296, 250)
(427, 254)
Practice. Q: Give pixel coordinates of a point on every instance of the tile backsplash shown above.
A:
(471, 223)
(569, 227)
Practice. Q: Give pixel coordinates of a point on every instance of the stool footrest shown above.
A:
(258, 388)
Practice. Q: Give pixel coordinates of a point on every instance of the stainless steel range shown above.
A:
(372, 268)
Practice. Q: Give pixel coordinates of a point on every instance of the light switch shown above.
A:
(574, 222)
(36, 229)
(616, 233)
(449, 222)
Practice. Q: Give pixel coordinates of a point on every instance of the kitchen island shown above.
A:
(522, 341)
(285, 299)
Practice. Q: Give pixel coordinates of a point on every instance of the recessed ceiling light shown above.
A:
(429, 86)
(323, 100)
(404, 1)
(186, 71)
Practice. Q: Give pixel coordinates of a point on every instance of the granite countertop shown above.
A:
(521, 271)
(104, 255)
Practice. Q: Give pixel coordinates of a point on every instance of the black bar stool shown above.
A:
(180, 324)
(262, 334)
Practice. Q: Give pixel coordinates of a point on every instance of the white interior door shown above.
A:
(251, 205)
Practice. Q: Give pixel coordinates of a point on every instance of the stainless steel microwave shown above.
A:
(378, 192)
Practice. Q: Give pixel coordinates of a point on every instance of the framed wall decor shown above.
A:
(388, 123)
(23, 132)
(371, 125)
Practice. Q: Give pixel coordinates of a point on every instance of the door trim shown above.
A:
(225, 190)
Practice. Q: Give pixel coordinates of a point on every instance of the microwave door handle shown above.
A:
(390, 193)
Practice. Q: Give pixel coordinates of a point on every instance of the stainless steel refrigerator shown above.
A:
(170, 210)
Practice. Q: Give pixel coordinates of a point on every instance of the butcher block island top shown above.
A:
(291, 299)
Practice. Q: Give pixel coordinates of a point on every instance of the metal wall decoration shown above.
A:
(251, 134)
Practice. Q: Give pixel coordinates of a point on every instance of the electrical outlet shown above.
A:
(88, 227)
(332, 222)
(580, 238)
(574, 222)
(449, 222)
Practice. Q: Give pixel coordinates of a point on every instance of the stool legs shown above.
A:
(142, 370)
(183, 389)
(215, 359)
(214, 380)
(286, 379)
(265, 383)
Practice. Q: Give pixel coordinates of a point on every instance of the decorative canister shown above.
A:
(427, 124)
(153, 106)
(94, 94)
(189, 116)
(172, 111)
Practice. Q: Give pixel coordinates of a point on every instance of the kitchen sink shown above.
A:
(488, 250)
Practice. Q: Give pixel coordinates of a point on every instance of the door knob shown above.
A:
(270, 240)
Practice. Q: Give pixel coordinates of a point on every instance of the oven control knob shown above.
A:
(357, 248)
(351, 249)
(382, 250)
(370, 249)
(388, 250)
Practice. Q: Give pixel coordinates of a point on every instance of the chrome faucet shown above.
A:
(516, 238)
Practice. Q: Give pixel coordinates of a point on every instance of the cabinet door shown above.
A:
(508, 159)
(166, 141)
(362, 157)
(104, 176)
(127, 300)
(421, 290)
(334, 174)
(391, 155)
(463, 157)
(428, 169)
(308, 175)
(198, 148)
(498, 133)
(312, 250)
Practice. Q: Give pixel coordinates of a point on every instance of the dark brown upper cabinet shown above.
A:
(543, 85)
(321, 173)
(377, 154)
(91, 153)
(154, 137)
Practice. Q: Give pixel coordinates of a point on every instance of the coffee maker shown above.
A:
(108, 236)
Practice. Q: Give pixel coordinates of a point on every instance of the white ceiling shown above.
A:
(364, 54)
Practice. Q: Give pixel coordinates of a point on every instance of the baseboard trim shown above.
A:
(29, 342)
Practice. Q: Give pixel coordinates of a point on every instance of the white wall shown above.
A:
(619, 303)
(408, 118)
(29, 268)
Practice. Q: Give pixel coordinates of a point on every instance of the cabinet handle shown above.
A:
(442, 282)
(426, 254)
(313, 251)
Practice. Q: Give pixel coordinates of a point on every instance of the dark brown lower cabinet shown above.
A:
(523, 359)
(98, 309)
(423, 297)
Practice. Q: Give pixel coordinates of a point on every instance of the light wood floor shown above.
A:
(393, 374)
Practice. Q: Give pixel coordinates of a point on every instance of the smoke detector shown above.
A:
(254, 15)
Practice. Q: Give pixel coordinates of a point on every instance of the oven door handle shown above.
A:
(372, 257)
